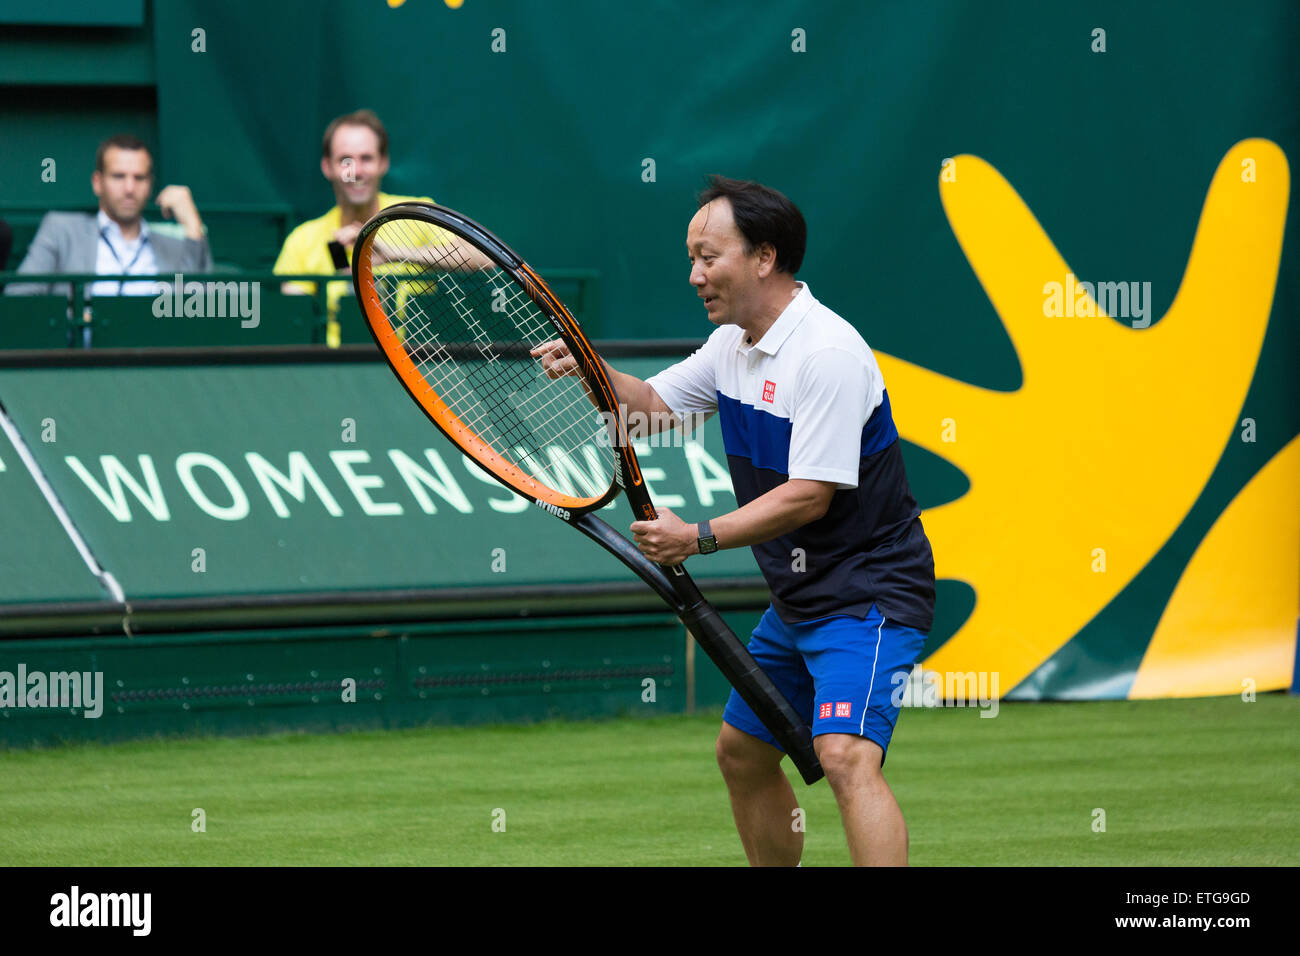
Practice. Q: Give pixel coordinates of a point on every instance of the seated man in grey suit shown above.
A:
(117, 241)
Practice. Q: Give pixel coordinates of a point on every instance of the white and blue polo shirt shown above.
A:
(808, 401)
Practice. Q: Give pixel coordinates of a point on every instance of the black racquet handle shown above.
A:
(722, 645)
(754, 686)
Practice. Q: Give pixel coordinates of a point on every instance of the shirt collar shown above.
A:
(334, 218)
(115, 231)
(785, 323)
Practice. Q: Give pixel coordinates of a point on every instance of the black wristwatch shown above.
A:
(708, 543)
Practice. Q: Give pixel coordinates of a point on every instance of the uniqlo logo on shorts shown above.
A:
(825, 711)
(769, 391)
(844, 708)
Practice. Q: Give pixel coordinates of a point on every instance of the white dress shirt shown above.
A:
(116, 256)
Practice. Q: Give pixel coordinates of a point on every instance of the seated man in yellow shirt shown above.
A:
(354, 159)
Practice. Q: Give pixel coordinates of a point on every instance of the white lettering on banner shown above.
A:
(717, 478)
(117, 476)
(115, 484)
(301, 474)
(358, 484)
(566, 475)
(185, 465)
(416, 478)
(642, 449)
(509, 506)
(590, 482)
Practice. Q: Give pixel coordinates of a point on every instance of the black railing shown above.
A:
(69, 315)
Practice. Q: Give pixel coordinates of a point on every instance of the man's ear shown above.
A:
(325, 168)
(766, 260)
(97, 183)
(383, 167)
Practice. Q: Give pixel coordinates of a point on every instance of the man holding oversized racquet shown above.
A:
(462, 320)
(825, 505)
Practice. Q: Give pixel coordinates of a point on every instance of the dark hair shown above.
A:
(762, 215)
(366, 118)
(120, 141)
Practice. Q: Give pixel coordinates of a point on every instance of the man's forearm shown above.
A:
(644, 409)
(786, 507)
(670, 540)
(457, 257)
(641, 401)
(633, 393)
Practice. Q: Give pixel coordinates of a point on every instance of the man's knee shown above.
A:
(741, 756)
(848, 760)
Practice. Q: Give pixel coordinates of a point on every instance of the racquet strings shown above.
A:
(468, 331)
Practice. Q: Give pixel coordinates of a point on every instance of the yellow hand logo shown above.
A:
(1099, 455)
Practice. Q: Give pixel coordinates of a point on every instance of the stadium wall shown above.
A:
(1077, 288)
(361, 677)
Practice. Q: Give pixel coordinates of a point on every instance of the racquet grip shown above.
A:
(755, 687)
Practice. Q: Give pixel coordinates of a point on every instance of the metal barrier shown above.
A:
(70, 316)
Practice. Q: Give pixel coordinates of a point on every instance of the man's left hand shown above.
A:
(668, 540)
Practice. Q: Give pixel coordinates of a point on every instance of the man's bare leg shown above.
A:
(873, 822)
(762, 800)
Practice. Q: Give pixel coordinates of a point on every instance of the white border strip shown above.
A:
(862, 724)
(105, 578)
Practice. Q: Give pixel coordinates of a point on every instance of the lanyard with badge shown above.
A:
(126, 270)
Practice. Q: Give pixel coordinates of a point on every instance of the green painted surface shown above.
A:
(122, 466)
(258, 682)
(854, 129)
(79, 13)
(38, 561)
(381, 537)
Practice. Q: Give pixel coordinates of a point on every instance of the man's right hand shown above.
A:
(347, 235)
(636, 395)
(557, 361)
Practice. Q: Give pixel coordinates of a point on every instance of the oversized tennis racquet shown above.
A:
(456, 313)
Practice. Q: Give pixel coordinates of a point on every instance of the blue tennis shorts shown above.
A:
(839, 672)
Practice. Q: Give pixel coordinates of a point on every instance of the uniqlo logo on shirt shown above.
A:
(769, 391)
(825, 711)
(844, 709)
